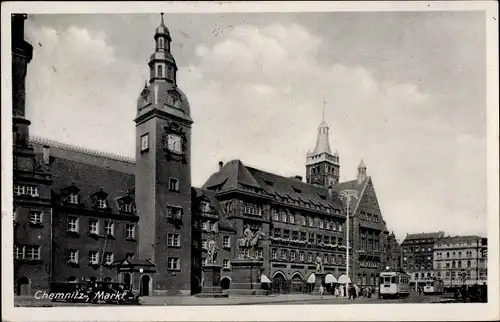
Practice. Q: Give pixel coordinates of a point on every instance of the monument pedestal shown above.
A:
(246, 277)
(211, 282)
(320, 279)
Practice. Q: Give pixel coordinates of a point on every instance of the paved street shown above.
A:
(284, 299)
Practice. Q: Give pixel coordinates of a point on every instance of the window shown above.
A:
(226, 242)
(275, 215)
(101, 203)
(276, 232)
(73, 224)
(159, 71)
(428, 258)
(204, 244)
(303, 221)
(93, 257)
(160, 43)
(309, 257)
(283, 217)
(214, 227)
(301, 256)
(109, 228)
(173, 184)
(206, 226)
(226, 264)
(129, 256)
(174, 263)
(447, 265)
(448, 255)
(73, 198)
(35, 217)
(459, 263)
(291, 219)
(127, 207)
(94, 226)
(295, 235)
(174, 212)
(274, 253)
(303, 236)
(469, 263)
(130, 231)
(310, 222)
(174, 240)
(292, 256)
(145, 142)
(286, 234)
(25, 190)
(32, 252)
(108, 258)
(321, 224)
(252, 209)
(203, 262)
(340, 227)
(319, 239)
(73, 256)
(19, 252)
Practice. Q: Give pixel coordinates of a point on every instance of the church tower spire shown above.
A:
(322, 167)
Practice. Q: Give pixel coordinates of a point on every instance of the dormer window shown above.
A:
(127, 207)
(101, 203)
(73, 198)
(159, 71)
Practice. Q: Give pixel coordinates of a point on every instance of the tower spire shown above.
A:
(324, 103)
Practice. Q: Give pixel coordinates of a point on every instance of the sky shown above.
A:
(404, 91)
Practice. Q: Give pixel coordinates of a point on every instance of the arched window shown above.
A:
(469, 263)
(160, 43)
(160, 71)
(453, 264)
(170, 73)
(459, 263)
(448, 254)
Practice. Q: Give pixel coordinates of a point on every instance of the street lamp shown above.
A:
(348, 194)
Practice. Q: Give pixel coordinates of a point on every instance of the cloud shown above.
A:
(256, 94)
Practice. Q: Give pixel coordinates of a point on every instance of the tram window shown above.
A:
(394, 280)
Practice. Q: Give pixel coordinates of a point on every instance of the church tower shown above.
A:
(322, 167)
(163, 173)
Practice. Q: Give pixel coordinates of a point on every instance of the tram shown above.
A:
(394, 284)
(434, 287)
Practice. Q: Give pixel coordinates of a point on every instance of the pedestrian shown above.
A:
(337, 291)
(321, 290)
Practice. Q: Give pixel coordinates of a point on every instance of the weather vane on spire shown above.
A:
(324, 103)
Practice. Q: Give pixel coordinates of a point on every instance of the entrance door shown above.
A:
(126, 279)
(225, 283)
(279, 284)
(145, 285)
(23, 286)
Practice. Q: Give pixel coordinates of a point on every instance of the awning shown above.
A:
(329, 279)
(311, 279)
(264, 279)
(343, 279)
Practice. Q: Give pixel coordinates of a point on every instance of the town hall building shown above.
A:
(84, 215)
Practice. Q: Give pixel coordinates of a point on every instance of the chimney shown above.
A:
(330, 191)
(220, 165)
(46, 154)
(297, 177)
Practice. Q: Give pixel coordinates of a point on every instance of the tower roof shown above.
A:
(322, 141)
(162, 30)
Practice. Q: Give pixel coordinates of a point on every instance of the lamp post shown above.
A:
(348, 194)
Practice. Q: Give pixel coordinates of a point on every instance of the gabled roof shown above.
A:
(134, 262)
(210, 197)
(235, 175)
(432, 235)
(232, 176)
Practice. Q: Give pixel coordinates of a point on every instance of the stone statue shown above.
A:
(247, 245)
(319, 264)
(212, 251)
(247, 235)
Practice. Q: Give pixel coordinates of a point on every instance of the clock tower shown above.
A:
(163, 173)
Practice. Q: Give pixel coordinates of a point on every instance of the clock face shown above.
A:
(174, 143)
